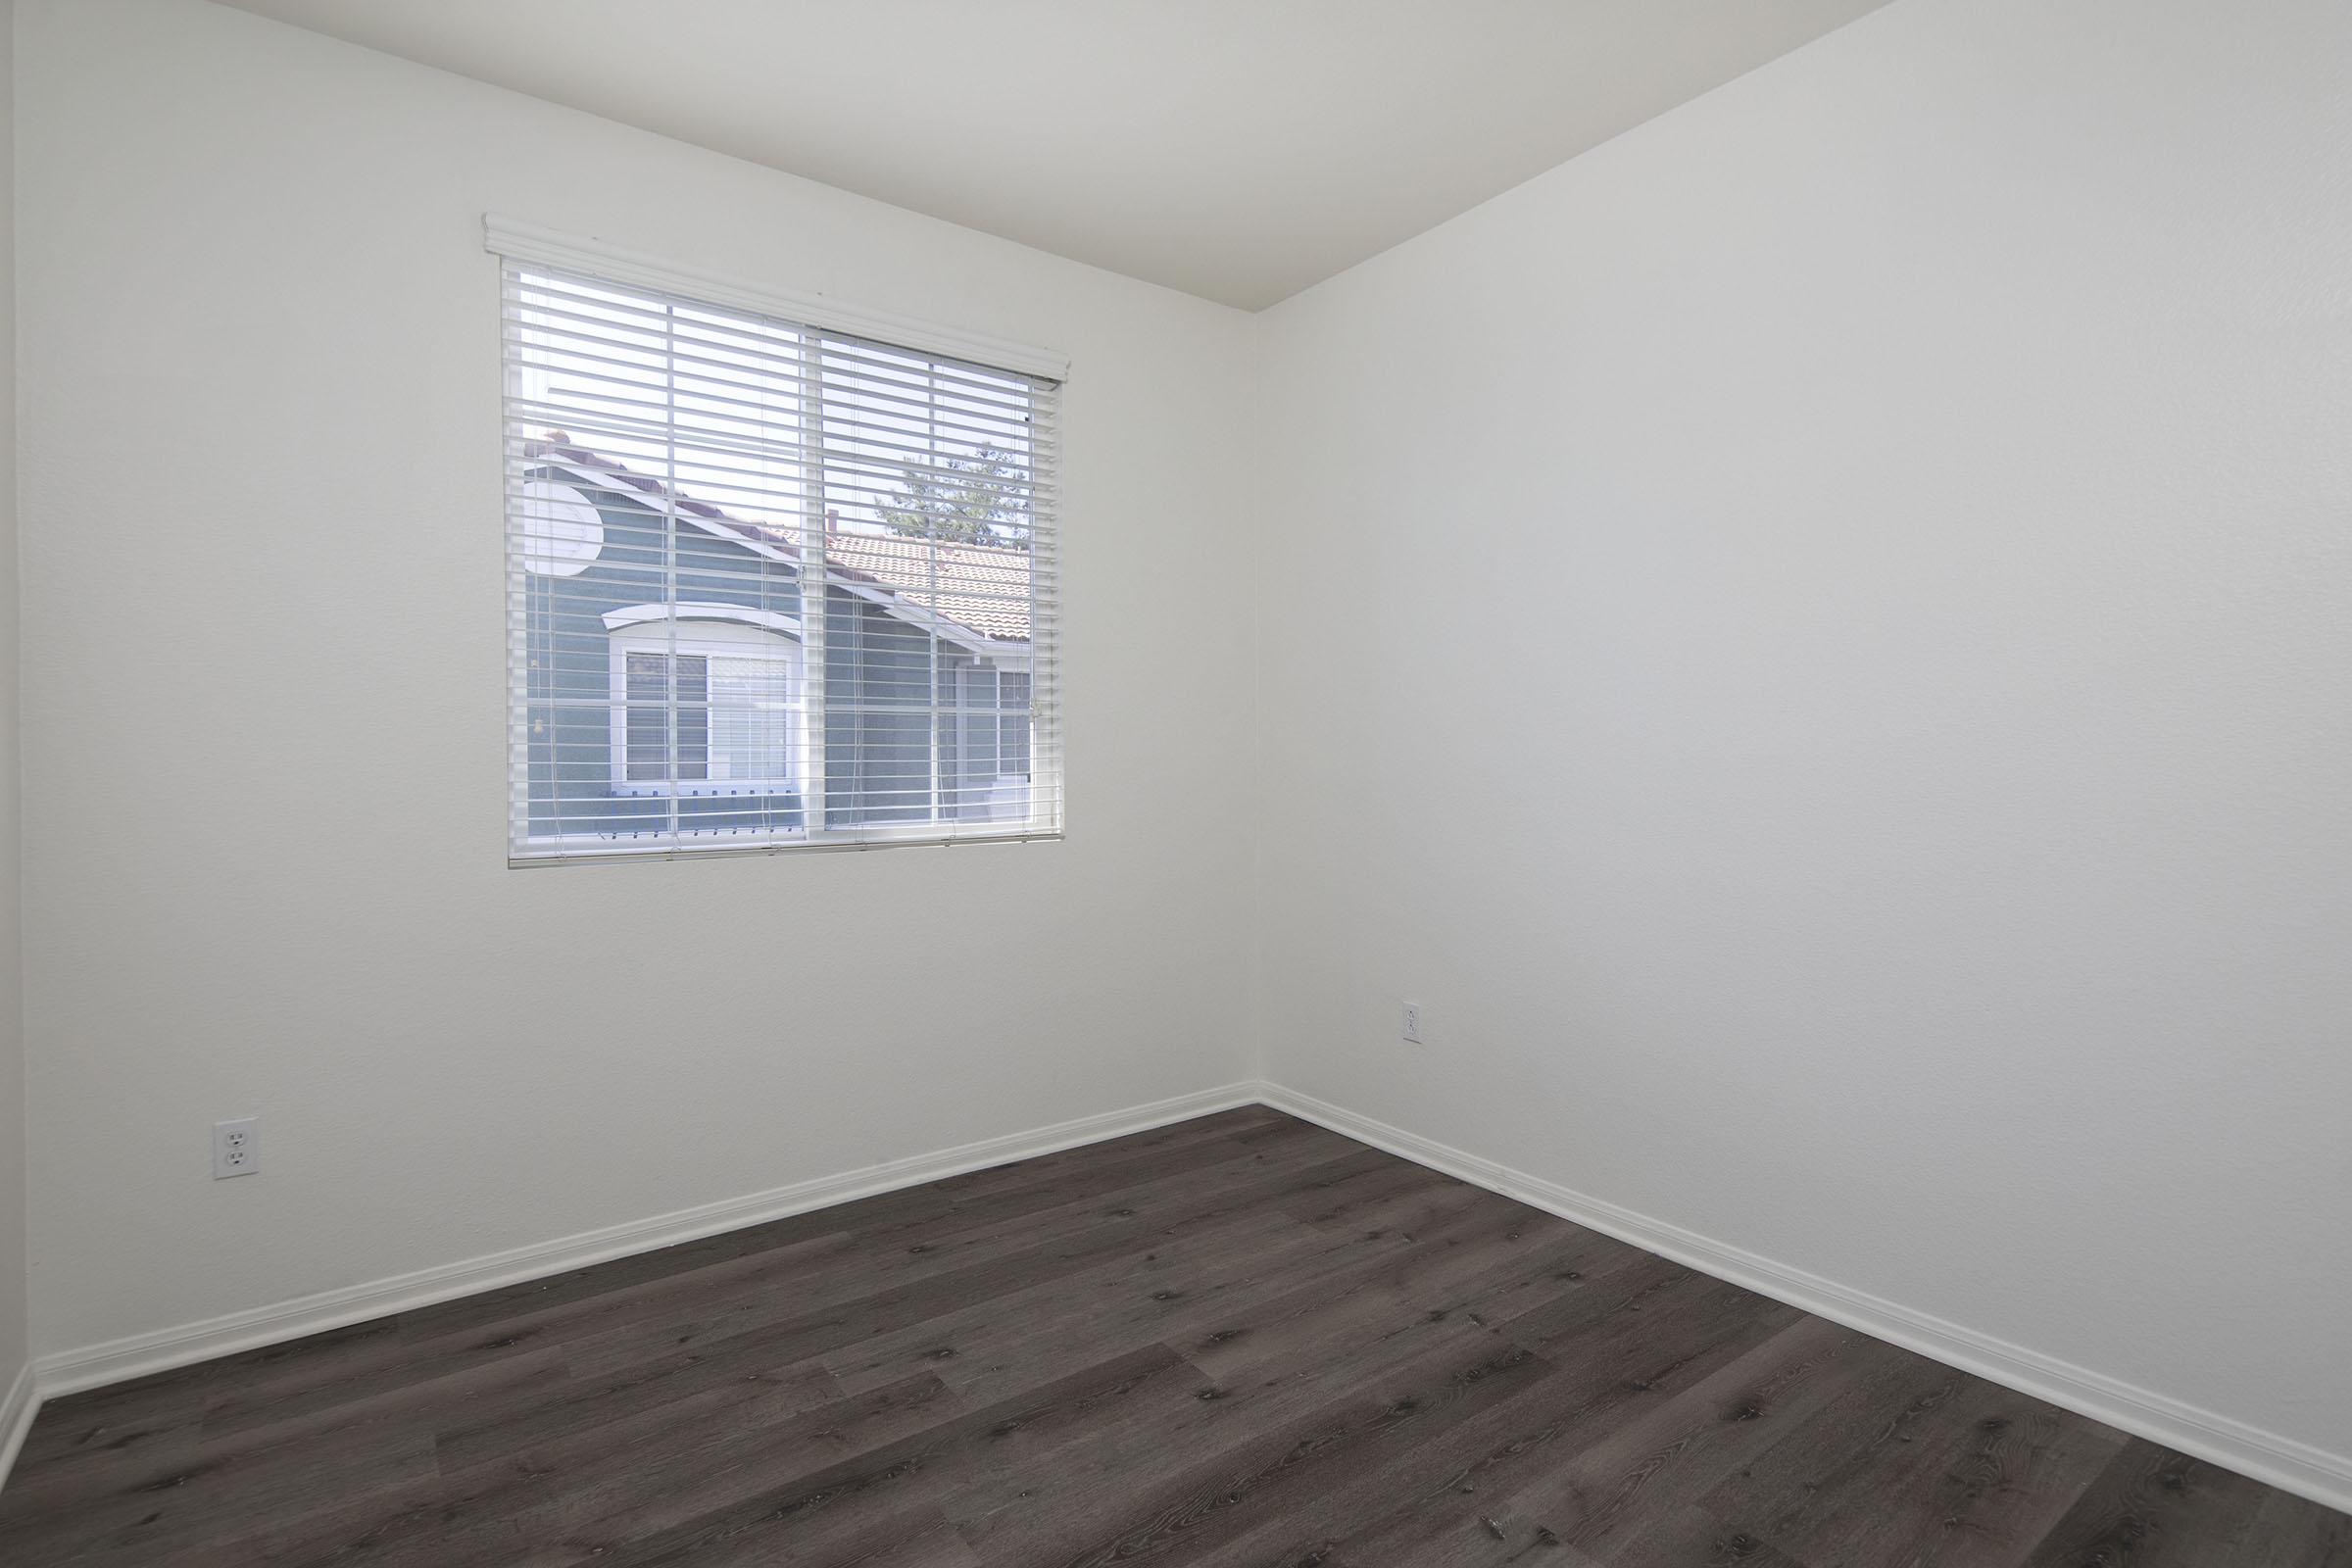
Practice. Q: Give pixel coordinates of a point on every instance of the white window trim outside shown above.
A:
(651, 629)
(703, 609)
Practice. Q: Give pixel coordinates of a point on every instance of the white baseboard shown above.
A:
(17, 1407)
(2283, 1463)
(71, 1371)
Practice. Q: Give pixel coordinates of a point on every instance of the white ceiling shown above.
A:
(1235, 149)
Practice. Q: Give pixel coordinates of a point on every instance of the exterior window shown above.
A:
(1014, 745)
(751, 719)
(702, 703)
(772, 581)
(664, 742)
(991, 744)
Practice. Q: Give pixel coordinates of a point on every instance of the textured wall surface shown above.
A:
(1814, 640)
(12, 1009)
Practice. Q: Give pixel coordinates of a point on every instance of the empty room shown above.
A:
(1212, 783)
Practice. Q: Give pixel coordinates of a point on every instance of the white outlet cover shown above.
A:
(237, 1149)
(1410, 1024)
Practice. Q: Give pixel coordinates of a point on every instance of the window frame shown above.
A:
(524, 247)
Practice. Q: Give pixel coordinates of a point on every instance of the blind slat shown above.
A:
(879, 396)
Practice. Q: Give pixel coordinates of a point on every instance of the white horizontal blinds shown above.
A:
(943, 466)
(680, 476)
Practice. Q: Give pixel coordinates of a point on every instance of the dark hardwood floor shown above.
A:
(1238, 1341)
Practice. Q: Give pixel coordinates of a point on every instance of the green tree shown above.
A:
(978, 500)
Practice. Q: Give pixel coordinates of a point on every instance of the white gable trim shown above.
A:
(688, 609)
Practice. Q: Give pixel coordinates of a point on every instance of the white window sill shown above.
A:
(589, 848)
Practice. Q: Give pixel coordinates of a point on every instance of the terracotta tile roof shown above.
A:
(985, 587)
(982, 588)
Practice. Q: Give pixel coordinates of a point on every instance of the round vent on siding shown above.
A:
(562, 532)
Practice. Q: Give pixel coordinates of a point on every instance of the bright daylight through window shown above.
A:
(771, 583)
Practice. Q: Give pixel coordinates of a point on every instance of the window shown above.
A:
(702, 695)
(779, 575)
(992, 743)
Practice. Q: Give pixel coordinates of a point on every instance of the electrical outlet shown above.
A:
(237, 1149)
(1412, 1028)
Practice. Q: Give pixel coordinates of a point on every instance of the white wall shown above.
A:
(12, 1011)
(263, 708)
(1814, 639)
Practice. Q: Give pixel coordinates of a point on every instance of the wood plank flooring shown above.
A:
(1241, 1342)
